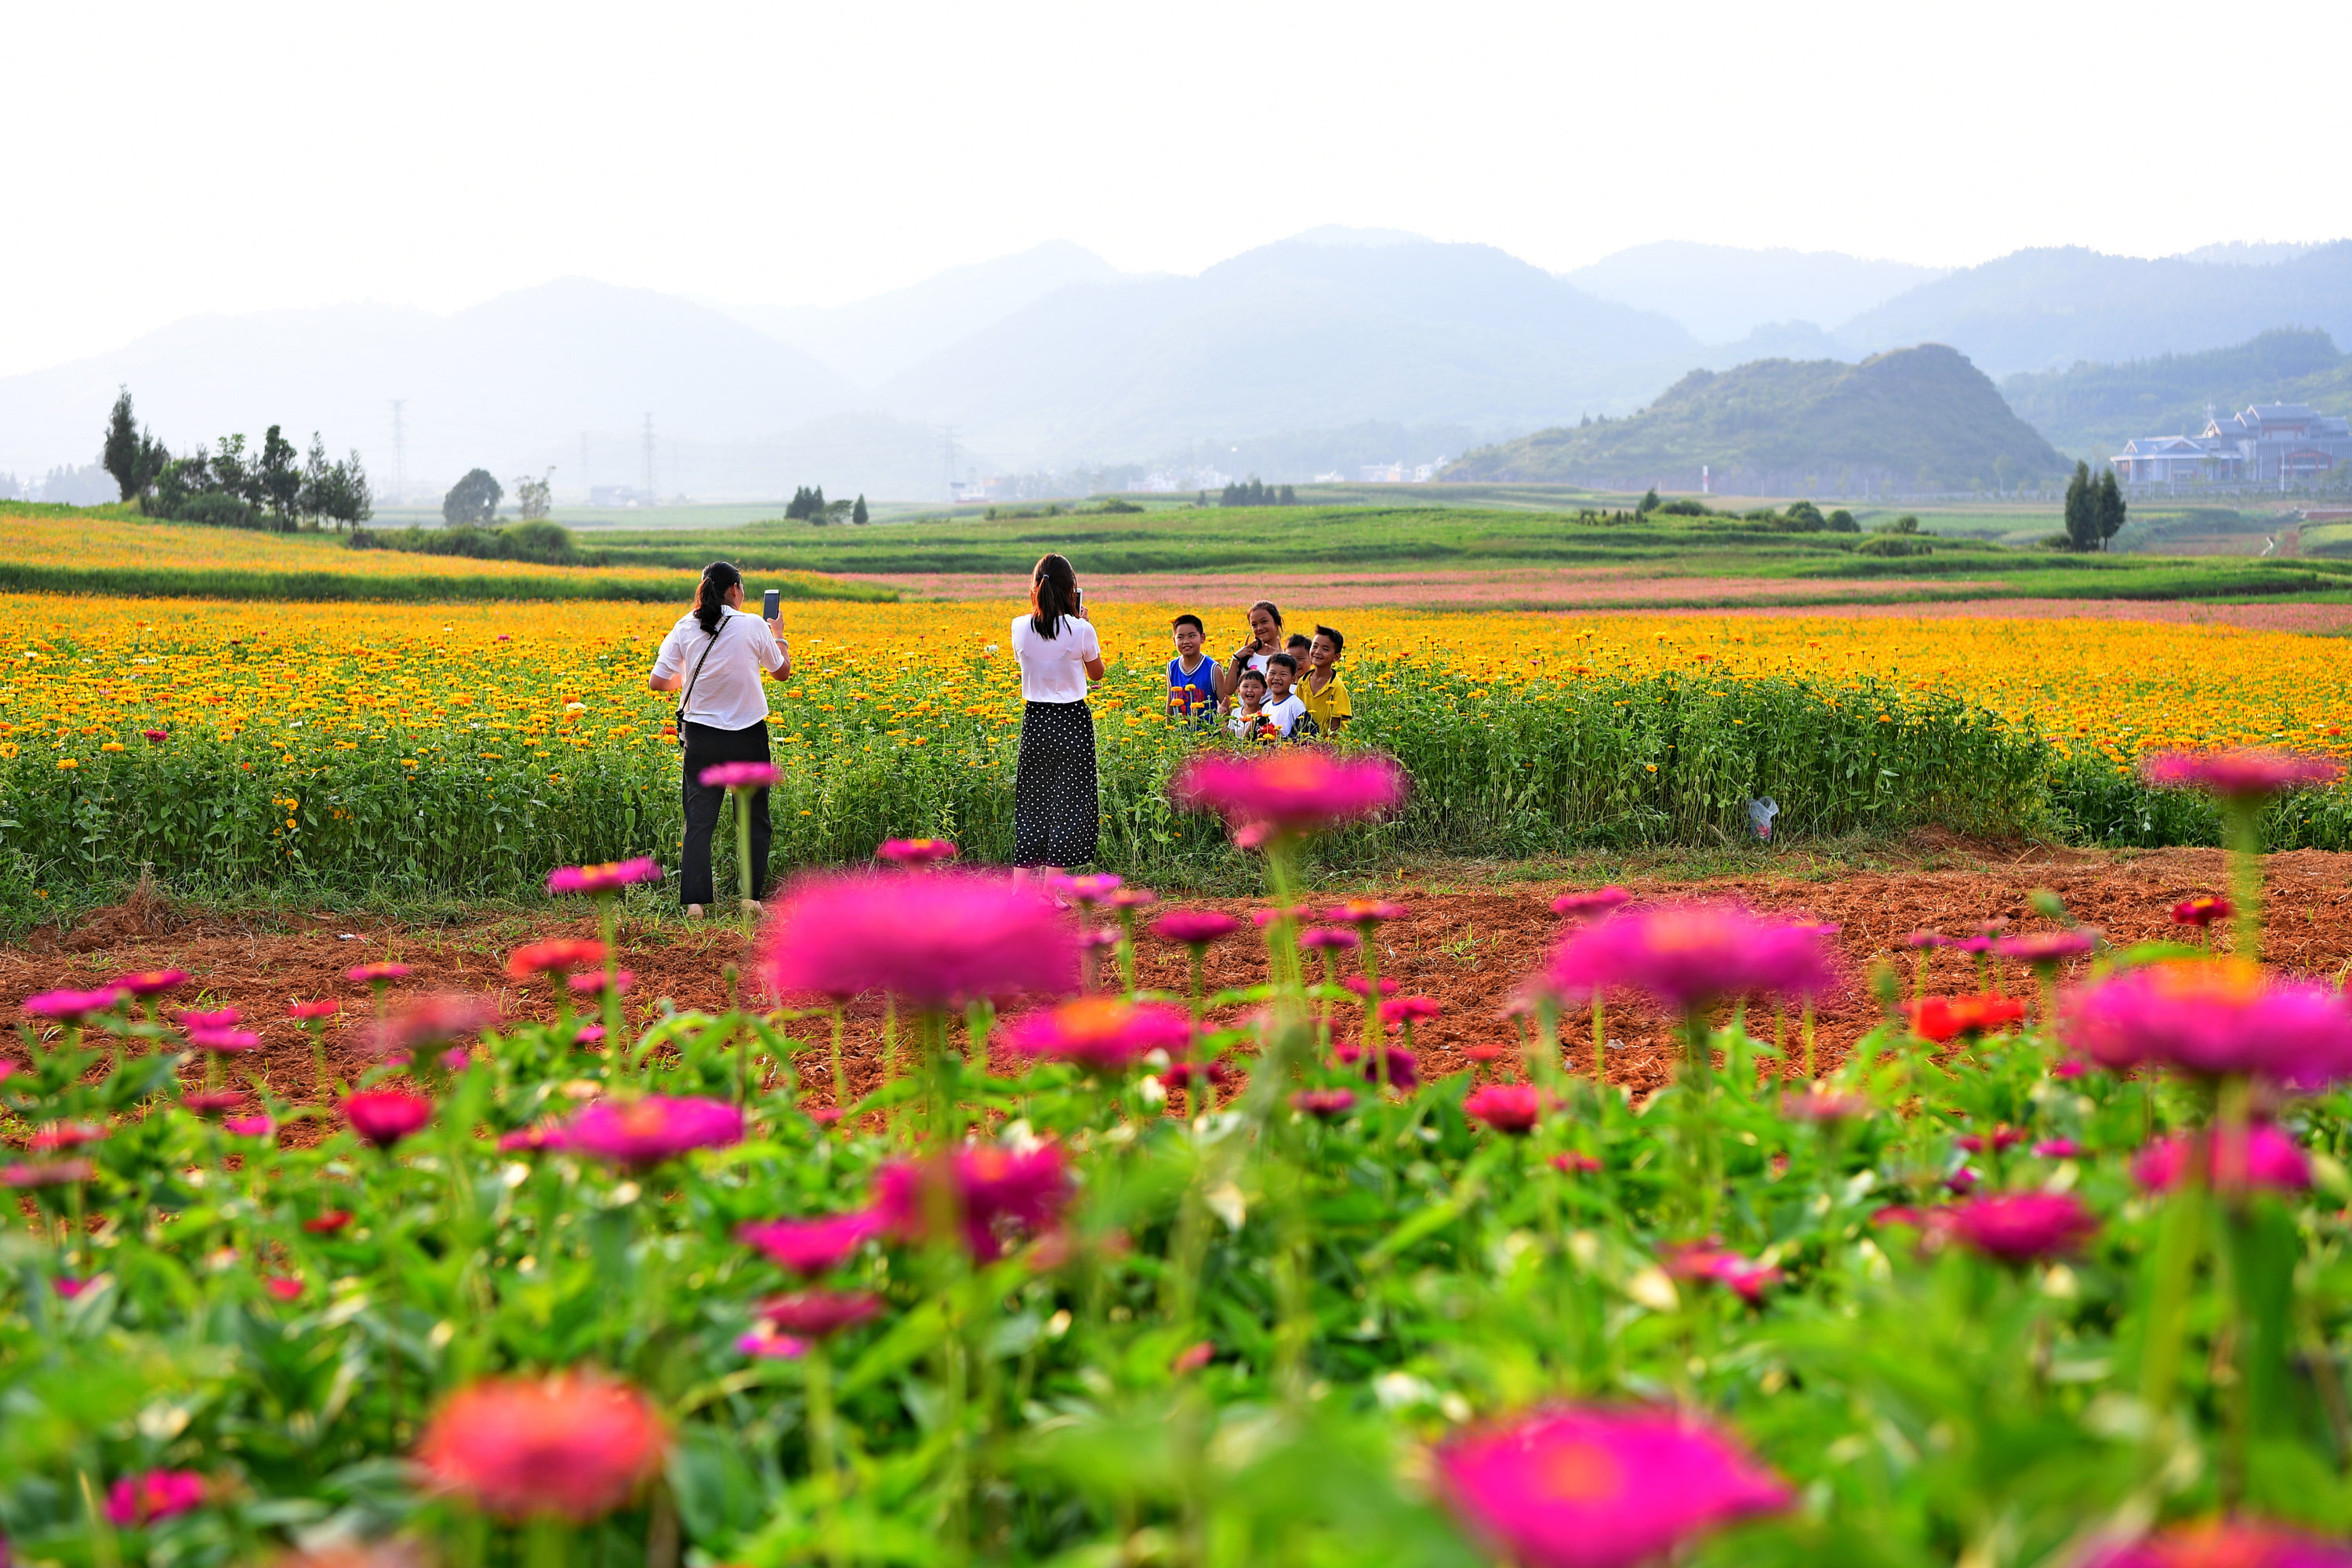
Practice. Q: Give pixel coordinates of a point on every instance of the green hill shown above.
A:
(1919, 418)
(2093, 409)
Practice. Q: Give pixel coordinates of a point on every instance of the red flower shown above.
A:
(304, 1012)
(559, 956)
(1820, 1103)
(1589, 1486)
(1404, 1072)
(283, 1290)
(607, 878)
(212, 1018)
(819, 1314)
(2202, 911)
(2018, 1226)
(1511, 1108)
(382, 1117)
(157, 1495)
(1944, 1018)
(1194, 928)
(329, 1223)
(1572, 1162)
(1411, 1010)
(376, 973)
(1193, 1358)
(1183, 1074)
(572, 1447)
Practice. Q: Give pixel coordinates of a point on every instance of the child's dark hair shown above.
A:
(1267, 605)
(1339, 643)
(1189, 619)
(1252, 673)
(1285, 660)
(1297, 641)
(1053, 594)
(710, 595)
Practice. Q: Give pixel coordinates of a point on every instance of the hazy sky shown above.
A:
(191, 156)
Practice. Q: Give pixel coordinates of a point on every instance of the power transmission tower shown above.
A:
(399, 453)
(649, 459)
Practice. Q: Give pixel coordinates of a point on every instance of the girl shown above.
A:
(1055, 812)
(1266, 641)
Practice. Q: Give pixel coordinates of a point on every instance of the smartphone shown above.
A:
(770, 602)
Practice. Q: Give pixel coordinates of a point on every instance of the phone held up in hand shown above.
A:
(770, 602)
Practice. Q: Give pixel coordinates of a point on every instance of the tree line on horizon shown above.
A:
(808, 505)
(278, 487)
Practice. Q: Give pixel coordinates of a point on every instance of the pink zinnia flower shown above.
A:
(250, 1127)
(1184, 1074)
(435, 1020)
(304, 1012)
(572, 1447)
(1926, 939)
(1339, 939)
(2018, 1226)
(1357, 983)
(1365, 913)
(47, 1173)
(819, 1314)
(59, 1135)
(738, 776)
(2047, 949)
(1194, 928)
(2202, 911)
(152, 982)
(764, 1344)
(376, 973)
(212, 1018)
(73, 1006)
(1095, 888)
(934, 939)
(810, 1247)
(1574, 1163)
(1820, 1103)
(70, 1288)
(652, 1128)
(1265, 918)
(225, 1041)
(212, 1102)
(158, 1495)
(588, 1035)
(156, 737)
(916, 853)
(327, 1224)
(560, 955)
(1511, 1108)
(2225, 1543)
(535, 1139)
(609, 877)
(1323, 1104)
(2239, 775)
(1594, 1487)
(1404, 1072)
(283, 1290)
(2058, 1149)
(1591, 902)
(1102, 1033)
(2263, 1157)
(1293, 790)
(1132, 898)
(1703, 1261)
(1410, 1010)
(1688, 954)
(2003, 1137)
(989, 1184)
(2215, 1018)
(382, 1117)
(593, 983)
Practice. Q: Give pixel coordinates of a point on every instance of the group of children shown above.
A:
(1271, 688)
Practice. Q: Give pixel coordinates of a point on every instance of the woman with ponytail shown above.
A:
(712, 658)
(1055, 811)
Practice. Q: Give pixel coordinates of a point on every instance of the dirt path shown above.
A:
(1468, 947)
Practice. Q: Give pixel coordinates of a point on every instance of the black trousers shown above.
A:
(1055, 812)
(706, 747)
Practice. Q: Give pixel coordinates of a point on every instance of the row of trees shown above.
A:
(809, 505)
(1252, 491)
(279, 487)
(2094, 509)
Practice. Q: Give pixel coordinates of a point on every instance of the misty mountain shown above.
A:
(872, 339)
(1719, 292)
(1298, 335)
(2044, 310)
(2093, 409)
(1919, 418)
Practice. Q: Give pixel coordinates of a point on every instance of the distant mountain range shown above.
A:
(2093, 409)
(1917, 418)
(1290, 358)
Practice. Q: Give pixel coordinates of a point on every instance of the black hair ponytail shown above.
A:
(1053, 593)
(710, 598)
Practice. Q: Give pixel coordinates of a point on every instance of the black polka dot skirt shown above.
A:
(1055, 812)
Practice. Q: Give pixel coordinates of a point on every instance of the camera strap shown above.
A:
(686, 696)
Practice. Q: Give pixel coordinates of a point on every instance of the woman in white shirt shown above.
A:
(1054, 809)
(714, 656)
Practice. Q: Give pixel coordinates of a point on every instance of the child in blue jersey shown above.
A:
(1191, 675)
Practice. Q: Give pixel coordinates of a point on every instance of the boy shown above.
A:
(1191, 675)
(1282, 710)
(1298, 648)
(1325, 694)
(1249, 696)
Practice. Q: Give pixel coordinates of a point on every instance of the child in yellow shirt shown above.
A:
(1325, 694)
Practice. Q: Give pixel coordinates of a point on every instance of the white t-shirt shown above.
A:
(1054, 669)
(1284, 715)
(728, 694)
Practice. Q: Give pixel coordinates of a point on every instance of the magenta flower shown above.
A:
(1926, 939)
(733, 776)
(988, 1187)
(282, 1288)
(652, 1128)
(2225, 1543)
(2214, 1017)
(1292, 790)
(1194, 928)
(26, 1174)
(1404, 1072)
(152, 982)
(1323, 1104)
(1591, 902)
(2239, 775)
(916, 853)
(1410, 1010)
(1095, 888)
(382, 1117)
(1820, 1103)
(213, 1102)
(2261, 1157)
(156, 737)
(1512, 1108)
(536, 1139)
(2202, 911)
(1357, 983)
(935, 939)
(819, 1314)
(1595, 1487)
(812, 1247)
(436, 1020)
(306, 1012)
(212, 1018)
(2058, 1149)
(1102, 1033)
(225, 1041)
(609, 877)
(376, 973)
(2047, 949)
(61, 1135)
(1705, 1261)
(2017, 1228)
(592, 983)
(1132, 898)
(1686, 955)
(763, 1343)
(1184, 1074)
(1339, 939)
(250, 1127)
(158, 1495)
(73, 1006)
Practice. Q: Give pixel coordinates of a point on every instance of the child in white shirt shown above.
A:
(1249, 699)
(1282, 708)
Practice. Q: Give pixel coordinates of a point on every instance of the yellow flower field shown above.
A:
(180, 547)
(87, 672)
